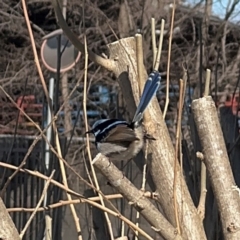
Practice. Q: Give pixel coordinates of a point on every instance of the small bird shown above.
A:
(118, 139)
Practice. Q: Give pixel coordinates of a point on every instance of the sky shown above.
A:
(220, 7)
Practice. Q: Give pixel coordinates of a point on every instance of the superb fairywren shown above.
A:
(118, 139)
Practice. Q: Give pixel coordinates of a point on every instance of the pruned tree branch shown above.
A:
(218, 165)
(135, 197)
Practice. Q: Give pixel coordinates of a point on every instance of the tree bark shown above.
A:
(8, 230)
(218, 165)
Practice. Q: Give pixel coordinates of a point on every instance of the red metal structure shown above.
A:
(33, 110)
(232, 101)
(9, 113)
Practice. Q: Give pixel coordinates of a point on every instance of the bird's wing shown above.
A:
(121, 133)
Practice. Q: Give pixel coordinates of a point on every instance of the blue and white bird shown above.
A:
(118, 139)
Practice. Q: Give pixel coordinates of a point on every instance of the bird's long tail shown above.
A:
(151, 86)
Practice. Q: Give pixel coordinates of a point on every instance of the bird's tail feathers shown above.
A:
(151, 86)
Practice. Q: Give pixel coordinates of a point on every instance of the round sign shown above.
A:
(69, 54)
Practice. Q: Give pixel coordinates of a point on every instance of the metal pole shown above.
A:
(49, 120)
(49, 138)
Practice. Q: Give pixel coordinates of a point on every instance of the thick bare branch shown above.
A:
(135, 197)
(218, 165)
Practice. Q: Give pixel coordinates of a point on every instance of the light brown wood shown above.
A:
(8, 230)
(218, 165)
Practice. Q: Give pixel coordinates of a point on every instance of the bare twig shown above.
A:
(154, 47)
(93, 203)
(141, 81)
(143, 184)
(66, 202)
(62, 203)
(207, 83)
(48, 222)
(86, 127)
(140, 66)
(54, 151)
(159, 52)
(76, 220)
(176, 174)
(169, 60)
(30, 148)
(51, 148)
(64, 178)
(77, 201)
(65, 89)
(202, 200)
(38, 205)
(141, 86)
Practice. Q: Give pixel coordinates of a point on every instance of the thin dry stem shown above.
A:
(35, 52)
(139, 53)
(64, 8)
(145, 168)
(159, 52)
(88, 142)
(202, 200)
(141, 80)
(30, 148)
(48, 222)
(123, 228)
(45, 138)
(143, 184)
(154, 47)
(55, 152)
(38, 205)
(76, 220)
(66, 202)
(21, 164)
(64, 177)
(42, 176)
(180, 133)
(169, 60)
(77, 201)
(81, 200)
(185, 84)
(207, 83)
(146, 116)
(181, 87)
